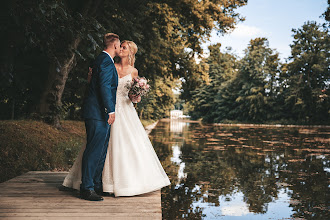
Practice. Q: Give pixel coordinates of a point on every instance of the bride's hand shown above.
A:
(90, 73)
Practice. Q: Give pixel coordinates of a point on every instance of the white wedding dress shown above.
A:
(131, 166)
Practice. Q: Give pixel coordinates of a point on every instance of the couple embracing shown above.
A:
(118, 158)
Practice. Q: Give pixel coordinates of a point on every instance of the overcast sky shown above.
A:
(273, 19)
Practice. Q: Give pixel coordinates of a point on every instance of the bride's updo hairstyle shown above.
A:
(132, 51)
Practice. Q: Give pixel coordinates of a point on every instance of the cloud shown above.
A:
(245, 31)
(235, 206)
(235, 210)
(240, 37)
(242, 33)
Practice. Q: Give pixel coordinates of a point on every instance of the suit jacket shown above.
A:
(102, 91)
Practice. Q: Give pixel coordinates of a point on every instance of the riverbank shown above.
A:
(148, 123)
(238, 124)
(272, 125)
(34, 145)
(150, 126)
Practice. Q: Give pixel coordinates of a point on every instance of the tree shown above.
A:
(55, 29)
(327, 12)
(221, 68)
(243, 90)
(163, 30)
(308, 74)
(254, 75)
(259, 88)
(173, 38)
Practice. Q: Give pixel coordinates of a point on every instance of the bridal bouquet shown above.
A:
(138, 88)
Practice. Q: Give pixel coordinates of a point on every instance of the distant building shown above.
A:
(176, 114)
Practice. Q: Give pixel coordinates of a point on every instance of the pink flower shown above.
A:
(135, 99)
(138, 88)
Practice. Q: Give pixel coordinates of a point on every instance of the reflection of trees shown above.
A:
(258, 169)
(220, 172)
(310, 187)
(256, 180)
(176, 201)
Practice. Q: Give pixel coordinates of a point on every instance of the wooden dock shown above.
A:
(36, 195)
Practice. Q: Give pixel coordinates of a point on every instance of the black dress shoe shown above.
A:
(90, 195)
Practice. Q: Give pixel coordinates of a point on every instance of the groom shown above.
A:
(99, 114)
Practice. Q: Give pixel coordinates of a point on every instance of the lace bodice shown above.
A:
(124, 84)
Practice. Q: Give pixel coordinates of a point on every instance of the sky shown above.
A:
(273, 19)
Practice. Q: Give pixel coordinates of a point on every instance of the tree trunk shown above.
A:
(13, 109)
(50, 103)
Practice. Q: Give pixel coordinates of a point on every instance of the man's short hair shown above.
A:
(109, 39)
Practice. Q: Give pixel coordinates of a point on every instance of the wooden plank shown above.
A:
(36, 195)
(78, 218)
(59, 214)
(63, 206)
(108, 209)
(71, 199)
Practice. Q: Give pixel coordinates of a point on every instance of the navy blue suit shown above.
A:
(99, 102)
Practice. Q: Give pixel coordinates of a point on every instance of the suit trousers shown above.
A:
(98, 133)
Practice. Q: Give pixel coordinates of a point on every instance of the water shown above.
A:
(221, 172)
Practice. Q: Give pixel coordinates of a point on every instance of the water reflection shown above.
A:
(178, 126)
(176, 159)
(243, 172)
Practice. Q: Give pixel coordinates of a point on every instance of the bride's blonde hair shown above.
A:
(132, 49)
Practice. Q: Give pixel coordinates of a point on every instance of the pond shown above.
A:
(240, 172)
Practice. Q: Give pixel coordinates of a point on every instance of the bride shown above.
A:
(131, 166)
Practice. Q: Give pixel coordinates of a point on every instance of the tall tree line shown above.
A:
(47, 46)
(259, 88)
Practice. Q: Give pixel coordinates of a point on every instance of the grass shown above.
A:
(34, 145)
